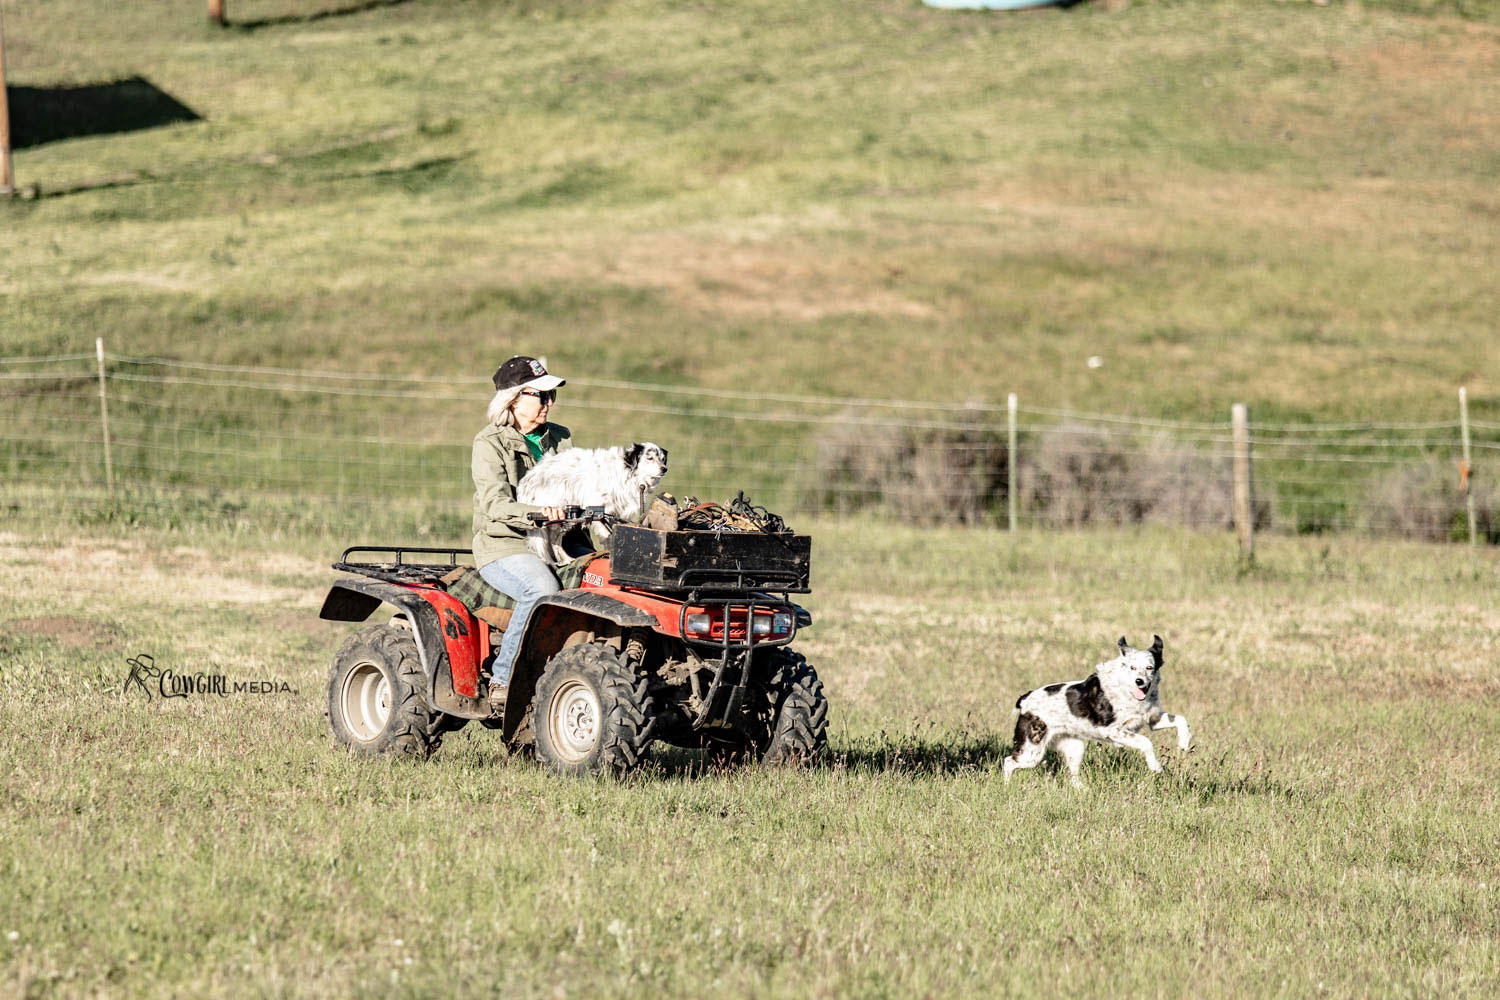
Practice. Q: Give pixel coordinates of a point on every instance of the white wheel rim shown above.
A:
(573, 721)
(366, 701)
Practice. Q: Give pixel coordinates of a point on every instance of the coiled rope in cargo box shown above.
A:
(738, 514)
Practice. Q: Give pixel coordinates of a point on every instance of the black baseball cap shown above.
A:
(522, 370)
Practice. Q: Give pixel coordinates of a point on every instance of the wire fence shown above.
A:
(179, 430)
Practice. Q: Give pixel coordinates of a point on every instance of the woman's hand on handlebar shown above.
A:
(567, 515)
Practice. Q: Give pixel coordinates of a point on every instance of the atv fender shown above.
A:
(555, 620)
(441, 626)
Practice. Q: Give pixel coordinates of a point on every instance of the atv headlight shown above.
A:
(698, 624)
(762, 625)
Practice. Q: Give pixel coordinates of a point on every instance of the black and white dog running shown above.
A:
(1114, 704)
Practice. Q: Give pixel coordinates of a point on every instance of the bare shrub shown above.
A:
(1423, 501)
(1191, 487)
(1069, 476)
(1077, 475)
(922, 474)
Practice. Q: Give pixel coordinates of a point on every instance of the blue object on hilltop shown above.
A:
(990, 4)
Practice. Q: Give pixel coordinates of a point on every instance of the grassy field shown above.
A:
(1284, 204)
(1334, 832)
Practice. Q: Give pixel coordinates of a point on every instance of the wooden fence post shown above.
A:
(1466, 471)
(1244, 496)
(1010, 463)
(7, 178)
(216, 12)
(109, 468)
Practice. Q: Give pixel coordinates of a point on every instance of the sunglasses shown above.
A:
(545, 398)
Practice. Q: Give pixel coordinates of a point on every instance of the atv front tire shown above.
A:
(796, 720)
(376, 703)
(591, 713)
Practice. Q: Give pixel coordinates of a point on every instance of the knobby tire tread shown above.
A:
(628, 721)
(798, 712)
(416, 728)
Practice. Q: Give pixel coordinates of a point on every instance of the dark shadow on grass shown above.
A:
(936, 756)
(1188, 777)
(52, 114)
(313, 16)
(884, 754)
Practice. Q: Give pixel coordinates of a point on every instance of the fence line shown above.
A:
(48, 358)
(618, 384)
(359, 435)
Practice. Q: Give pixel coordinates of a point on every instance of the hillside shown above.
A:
(1279, 203)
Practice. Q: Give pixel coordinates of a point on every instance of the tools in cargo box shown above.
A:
(691, 514)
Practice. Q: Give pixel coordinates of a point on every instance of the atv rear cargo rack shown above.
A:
(400, 570)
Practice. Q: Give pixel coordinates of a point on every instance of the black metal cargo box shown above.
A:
(710, 560)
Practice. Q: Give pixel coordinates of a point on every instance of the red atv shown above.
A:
(679, 636)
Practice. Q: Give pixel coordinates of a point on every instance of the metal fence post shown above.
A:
(1466, 471)
(1010, 463)
(109, 468)
(1244, 497)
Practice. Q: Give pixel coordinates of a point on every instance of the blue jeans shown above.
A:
(525, 579)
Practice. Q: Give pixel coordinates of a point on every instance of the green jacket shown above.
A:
(501, 458)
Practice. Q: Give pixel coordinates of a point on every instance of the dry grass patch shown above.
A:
(70, 633)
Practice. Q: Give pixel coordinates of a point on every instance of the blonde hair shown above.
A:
(499, 410)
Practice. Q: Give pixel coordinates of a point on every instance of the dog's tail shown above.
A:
(1019, 700)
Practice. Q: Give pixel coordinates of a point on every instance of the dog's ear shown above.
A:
(1124, 646)
(1156, 648)
(633, 456)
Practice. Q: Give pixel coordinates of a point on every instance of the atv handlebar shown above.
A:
(572, 515)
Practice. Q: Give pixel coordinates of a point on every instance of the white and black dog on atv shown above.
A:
(620, 480)
(1112, 705)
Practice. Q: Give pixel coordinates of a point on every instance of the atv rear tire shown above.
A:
(376, 702)
(796, 721)
(591, 713)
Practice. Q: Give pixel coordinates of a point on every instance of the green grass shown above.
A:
(1269, 203)
(1333, 832)
(1246, 200)
(1274, 203)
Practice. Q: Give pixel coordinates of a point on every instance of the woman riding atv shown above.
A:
(513, 440)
